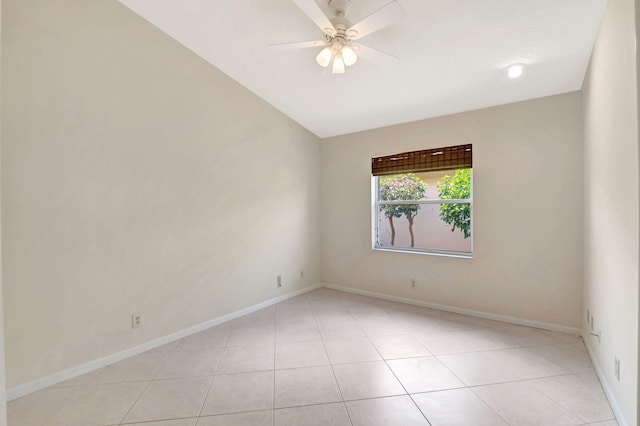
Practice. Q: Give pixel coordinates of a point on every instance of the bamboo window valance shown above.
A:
(428, 160)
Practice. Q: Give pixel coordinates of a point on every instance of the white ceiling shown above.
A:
(452, 55)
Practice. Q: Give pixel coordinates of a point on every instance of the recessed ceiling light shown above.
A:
(515, 70)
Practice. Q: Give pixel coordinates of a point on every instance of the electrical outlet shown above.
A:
(617, 368)
(279, 281)
(412, 283)
(136, 320)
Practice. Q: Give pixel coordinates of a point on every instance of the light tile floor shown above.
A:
(333, 358)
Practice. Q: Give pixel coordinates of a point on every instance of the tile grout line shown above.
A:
(215, 370)
(344, 404)
(166, 358)
(537, 391)
(424, 415)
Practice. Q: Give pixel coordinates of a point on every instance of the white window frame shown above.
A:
(375, 215)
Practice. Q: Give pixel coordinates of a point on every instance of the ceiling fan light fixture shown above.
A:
(515, 70)
(349, 56)
(324, 57)
(338, 65)
(338, 32)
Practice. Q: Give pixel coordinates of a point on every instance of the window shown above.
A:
(422, 201)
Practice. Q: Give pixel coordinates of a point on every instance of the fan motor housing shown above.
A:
(339, 7)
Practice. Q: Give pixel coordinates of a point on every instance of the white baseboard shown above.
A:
(603, 381)
(470, 312)
(78, 370)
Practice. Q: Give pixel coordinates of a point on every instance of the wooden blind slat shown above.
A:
(428, 160)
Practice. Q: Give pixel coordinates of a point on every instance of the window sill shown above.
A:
(427, 252)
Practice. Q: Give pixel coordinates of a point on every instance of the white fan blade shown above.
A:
(297, 45)
(375, 55)
(313, 11)
(383, 17)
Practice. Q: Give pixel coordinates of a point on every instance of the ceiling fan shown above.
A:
(339, 35)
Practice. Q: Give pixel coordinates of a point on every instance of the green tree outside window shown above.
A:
(456, 187)
(403, 187)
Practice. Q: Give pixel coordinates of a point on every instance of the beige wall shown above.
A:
(137, 178)
(3, 392)
(527, 212)
(611, 202)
